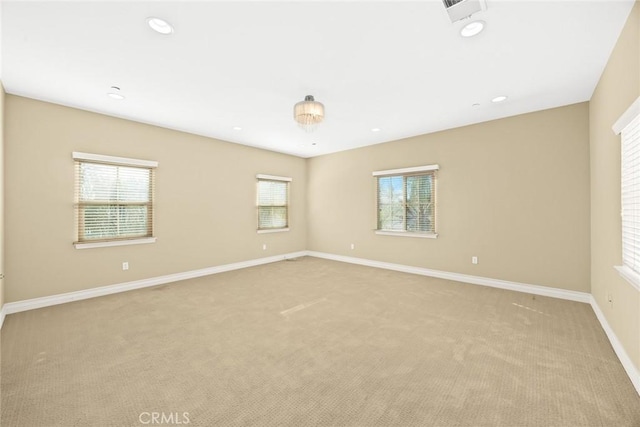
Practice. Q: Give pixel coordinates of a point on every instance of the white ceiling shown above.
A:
(398, 66)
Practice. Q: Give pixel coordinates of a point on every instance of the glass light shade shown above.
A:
(308, 113)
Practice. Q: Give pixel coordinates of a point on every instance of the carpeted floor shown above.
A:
(313, 342)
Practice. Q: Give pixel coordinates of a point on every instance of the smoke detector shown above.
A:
(461, 9)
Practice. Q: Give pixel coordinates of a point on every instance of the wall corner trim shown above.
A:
(34, 303)
(632, 112)
(2, 315)
(627, 364)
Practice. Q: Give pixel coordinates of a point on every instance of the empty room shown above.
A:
(320, 213)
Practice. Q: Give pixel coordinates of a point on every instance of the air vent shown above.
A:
(461, 9)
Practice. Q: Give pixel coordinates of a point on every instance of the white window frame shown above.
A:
(404, 172)
(628, 126)
(265, 177)
(117, 161)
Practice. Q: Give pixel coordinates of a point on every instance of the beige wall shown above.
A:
(513, 192)
(205, 193)
(528, 173)
(619, 86)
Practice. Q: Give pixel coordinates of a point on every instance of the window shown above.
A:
(273, 203)
(406, 201)
(113, 200)
(629, 128)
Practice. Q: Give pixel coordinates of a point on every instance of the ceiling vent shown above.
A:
(461, 9)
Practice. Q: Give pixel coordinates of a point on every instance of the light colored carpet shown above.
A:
(313, 342)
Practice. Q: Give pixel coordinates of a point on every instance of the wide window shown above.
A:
(406, 201)
(113, 200)
(273, 203)
(629, 128)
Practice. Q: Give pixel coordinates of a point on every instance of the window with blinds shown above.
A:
(273, 203)
(113, 198)
(406, 200)
(630, 187)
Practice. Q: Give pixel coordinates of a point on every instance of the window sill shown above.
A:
(275, 230)
(90, 245)
(629, 275)
(406, 234)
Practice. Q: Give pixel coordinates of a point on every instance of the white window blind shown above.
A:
(631, 195)
(273, 202)
(113, 198)
(406, 200)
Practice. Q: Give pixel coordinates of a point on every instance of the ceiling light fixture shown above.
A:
(499, 99)
(308, 113)
(115, 93)
(375, 130)
(472, 29)
(160, 26)
(237, 128)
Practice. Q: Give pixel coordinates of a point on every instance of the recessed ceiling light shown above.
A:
(115, 93)
(499, 98)
(160, 25)
(237, 128)
(472, 29)
(375, 130)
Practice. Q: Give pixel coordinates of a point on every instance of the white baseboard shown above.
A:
(2, 314)
(627, 364)
(31, 304)
(476, 280)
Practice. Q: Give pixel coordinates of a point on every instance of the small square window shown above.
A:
(113, 198)
(406, 200)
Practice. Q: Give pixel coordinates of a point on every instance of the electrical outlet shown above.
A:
(474, 260)
(125, 265)
(353, 246)
(264, 246)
